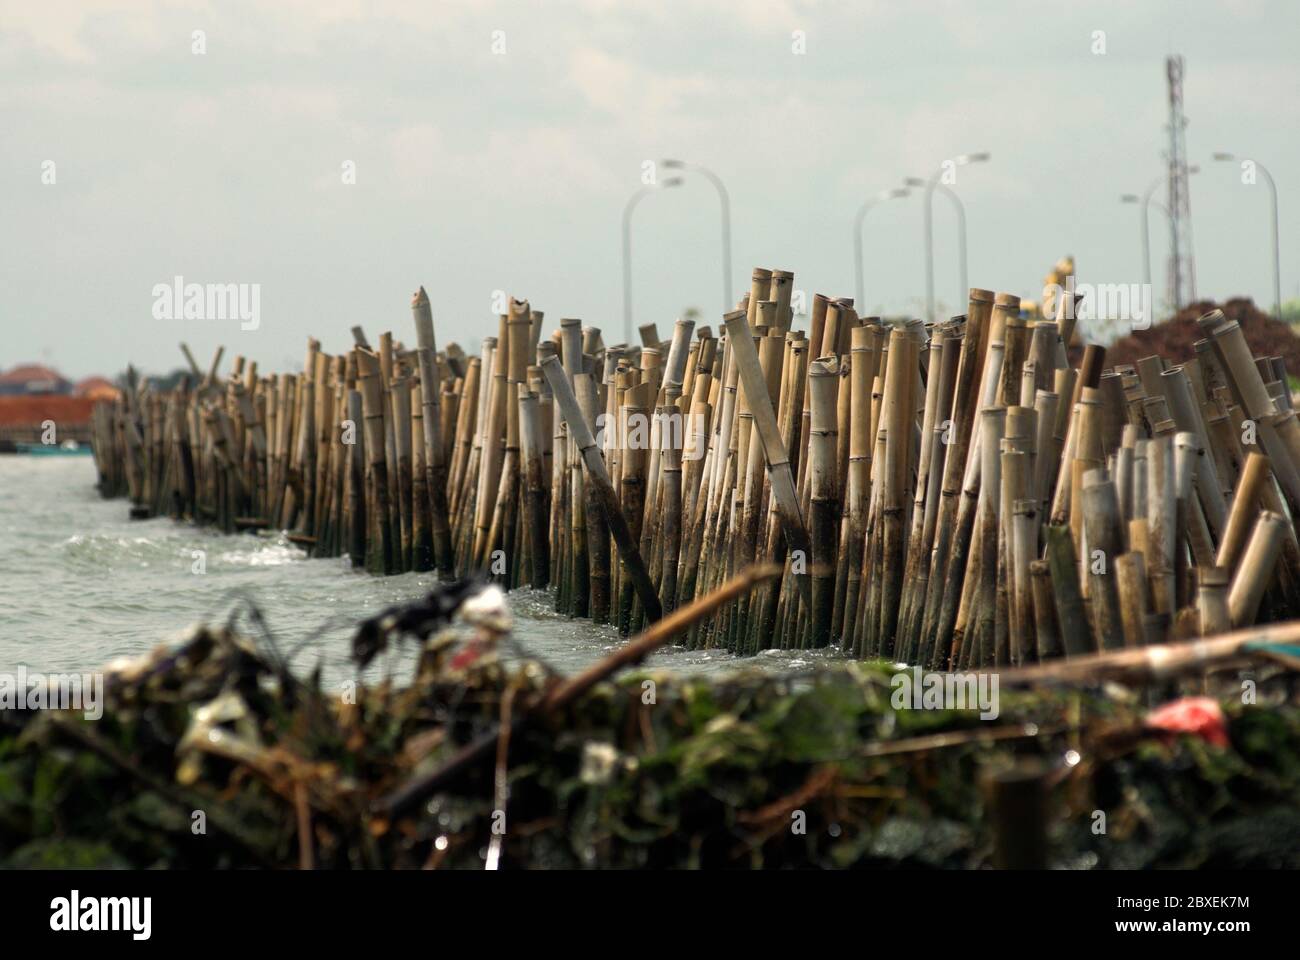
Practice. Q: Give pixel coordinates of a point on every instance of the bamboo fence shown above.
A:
(955, 495)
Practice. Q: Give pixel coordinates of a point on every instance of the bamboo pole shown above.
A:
(823, 386)
(1245, 509)
(435, 465)
(1102, 527)
(531, 433)
(1212, 600)
(898, 441)
(606, 498)
(778, 464)
(1256, 569)
(1131, 582)
(380, 557)
(597, 523)
(1070, 614)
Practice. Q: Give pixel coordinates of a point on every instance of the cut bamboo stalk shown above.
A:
(435, 465)
(981, 601)
(1102, 527)
(1245, 509)
(1047, 632)
(823, 385)
(1187, 414)
(380, 558)
(1238, 366)
(940, 376)
(1024, 647)
(531, 433)
(493, 441)
(898, 442)
(1257, 568)
(1212, 600)
(386, 374)
(597, 528)
(1161, 534)
(957, 431)
(635, 437)
(1071, 617)
(1131, 582)
(946, 563)
(421, 523)
(401, 415)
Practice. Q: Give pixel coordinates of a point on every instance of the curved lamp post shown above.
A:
(1146, 246)
(894, 194)
(960, 209)
(1146, 201)
(724, 201)
(632, 201)
(931, 184)
(1277, 271)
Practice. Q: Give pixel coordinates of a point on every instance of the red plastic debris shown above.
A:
(464, 657)
(1201, 716)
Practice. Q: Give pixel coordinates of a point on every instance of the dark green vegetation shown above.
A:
(710, 774)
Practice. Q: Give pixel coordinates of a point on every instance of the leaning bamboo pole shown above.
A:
(1254, 573)
(434, 454)
(606, 498)
(765, 426)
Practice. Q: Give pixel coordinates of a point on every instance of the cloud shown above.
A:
(515, 168)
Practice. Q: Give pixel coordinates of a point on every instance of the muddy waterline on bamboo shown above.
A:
(82, 584)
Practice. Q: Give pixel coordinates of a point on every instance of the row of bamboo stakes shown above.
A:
(956, 495)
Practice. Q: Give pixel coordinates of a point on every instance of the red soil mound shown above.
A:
(1173, 339)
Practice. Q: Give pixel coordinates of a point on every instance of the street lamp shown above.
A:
(632, 201)
(724, 201)
(1146, 247)
(894, 194)
(1277, 271)
(960, 209)
(1146, 231)
(931, 184)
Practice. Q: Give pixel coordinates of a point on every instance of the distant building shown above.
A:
(33, 396)
(27, 379)
(24, 419)
(96, 388)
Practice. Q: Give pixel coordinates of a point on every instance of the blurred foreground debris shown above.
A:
(210, 754)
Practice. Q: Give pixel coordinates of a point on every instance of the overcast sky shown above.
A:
(479, 170)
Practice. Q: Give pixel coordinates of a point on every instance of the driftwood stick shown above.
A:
(1155, 662)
